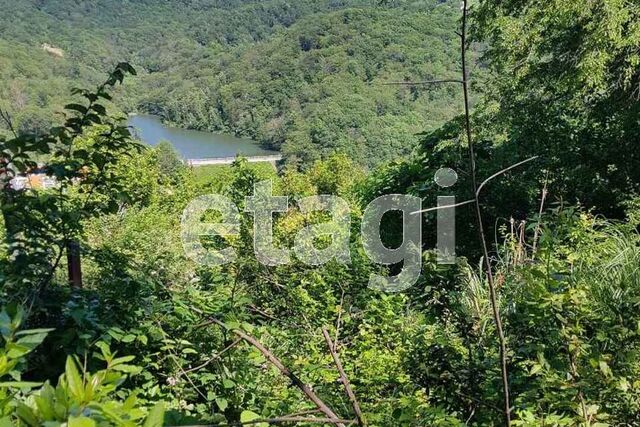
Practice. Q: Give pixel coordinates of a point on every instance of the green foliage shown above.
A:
(80, 156)
(84, 399)
(422, 358)
(170, 165)
(318, 87)
(566, 86)
(216, 178)
(16, 344)
(306, 77)
(574, 315)
(79, 399)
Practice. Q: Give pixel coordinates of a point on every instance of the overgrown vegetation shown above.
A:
(150, 338)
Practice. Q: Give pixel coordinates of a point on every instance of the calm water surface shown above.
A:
(193, 144)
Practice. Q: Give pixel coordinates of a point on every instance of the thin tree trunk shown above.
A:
(485, 250)
(74, 264)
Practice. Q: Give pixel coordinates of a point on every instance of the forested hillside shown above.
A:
(319, 87)
(136, 290)
(306, 77)
(94, 35)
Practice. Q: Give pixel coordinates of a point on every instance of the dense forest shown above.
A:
(305, 77)
(107, 320)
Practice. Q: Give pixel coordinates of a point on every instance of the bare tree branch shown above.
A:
(215, 357)
(536, 235)
(503, 171)
(282, 420)
(334, 419)
(6, 117)
(343, 378)
(437, 208)
(485, 182)
(336, 341)
(476, 191)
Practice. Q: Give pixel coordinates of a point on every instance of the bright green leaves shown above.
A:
(17, 344)
(248, 416)
(222, 403)
(75, 383)
(155, 417)
(81, 422)
(81, 398)
(78, 157)
(578, 336)
(88, 399)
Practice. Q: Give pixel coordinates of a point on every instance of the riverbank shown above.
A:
(193, 144)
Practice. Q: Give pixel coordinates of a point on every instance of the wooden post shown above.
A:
(74, 264)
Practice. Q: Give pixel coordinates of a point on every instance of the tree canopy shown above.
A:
(106, 319)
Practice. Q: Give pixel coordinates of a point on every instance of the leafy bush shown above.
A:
(79, 399)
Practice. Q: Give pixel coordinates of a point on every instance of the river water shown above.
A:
(193, 144)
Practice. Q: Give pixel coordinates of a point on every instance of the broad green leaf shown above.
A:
(121, 360)
(81, 422)
(104, 349)
(35, 331)
(76, 107)
(247, 416)
(535, 369)
(222, 403)
(19, 384)
(127, 369)
(156, 416)
(128, 338)
(26, 414)
(74, 380)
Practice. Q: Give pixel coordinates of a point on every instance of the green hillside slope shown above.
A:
(305, 77)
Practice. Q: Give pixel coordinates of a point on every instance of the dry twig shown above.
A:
(281, 420)
(331, 416)
(343, 378)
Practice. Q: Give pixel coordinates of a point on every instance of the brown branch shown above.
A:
(485, 250)
(282, 420)
(215, 357)
(536, 235)
(261, 312)
(174, 359)
(336, 341)
(6, 117)
(343, 378)
(286, 372)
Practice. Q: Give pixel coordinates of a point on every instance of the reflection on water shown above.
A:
(192, 144)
